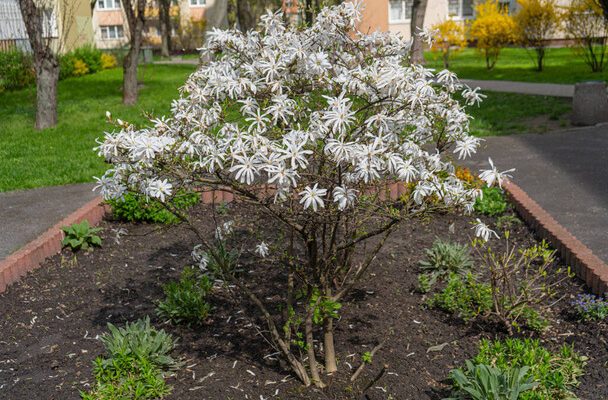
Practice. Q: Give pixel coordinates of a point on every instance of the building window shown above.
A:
(460, 8)
(197, 3)
(112, 32)
(400, 10)
(108, 4)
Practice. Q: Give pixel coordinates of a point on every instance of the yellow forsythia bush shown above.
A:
(492, 29)
(536, 21)
(108, 61)
(449, 38)
(80, 68)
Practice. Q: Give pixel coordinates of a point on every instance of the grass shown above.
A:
(516, 64)
(63, 154)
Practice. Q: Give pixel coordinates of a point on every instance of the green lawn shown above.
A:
(63, 154)
(515, 64)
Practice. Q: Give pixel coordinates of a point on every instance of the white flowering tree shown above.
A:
(309, 125)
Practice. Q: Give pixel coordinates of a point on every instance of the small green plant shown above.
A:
(442, 259)
(367, 357)
(492, 202)
(137, 208)
(137, 356)
(507, 222)
(185, 300)
(126, 377)
(556, 373)
(464, 297)
(484, 382)
(80, 236)
(142, 341)
(590, 307)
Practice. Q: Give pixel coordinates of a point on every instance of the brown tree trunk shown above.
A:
(328, 346)
(135, 18)
(164, 16)
(47, 75)
(46, 65)
(245, 15)
(417, 23)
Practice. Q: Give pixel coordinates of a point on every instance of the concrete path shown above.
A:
(566, 172)
(26, 214)
(540, 89)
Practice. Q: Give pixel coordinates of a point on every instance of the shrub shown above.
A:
(305, 124)
(464, 297)
(520, 280)
(80, 68)
(16, 70)
(556, 373)
(138, 208)
(80, 236)
(141, 341)
(91, 56)
(445, 258)
(108, 61)
(483, 382)
(590, 307)
(492, 29)
(185, 300)
(450, 38)
(536, 21)
(492, 202)
(66, 66)
(586, 26)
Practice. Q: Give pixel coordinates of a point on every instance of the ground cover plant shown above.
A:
(135, 208)
(331, 114)
(80, 236)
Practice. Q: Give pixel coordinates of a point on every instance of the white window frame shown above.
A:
(459, 16)
(197, 3)
(405, 4)
(116, 4)
(112, 28)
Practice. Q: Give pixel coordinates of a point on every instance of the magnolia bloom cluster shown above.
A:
(320, 114)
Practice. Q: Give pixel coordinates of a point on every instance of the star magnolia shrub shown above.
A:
(309, 125)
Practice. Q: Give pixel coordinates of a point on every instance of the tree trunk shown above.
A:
(129, 82)
(47, 75)
(245, 15)
(310, 350)
(164, 16)
(417, 21)
(328, 346)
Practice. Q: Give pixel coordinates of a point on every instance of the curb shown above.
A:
(587, 266)
(35, 252)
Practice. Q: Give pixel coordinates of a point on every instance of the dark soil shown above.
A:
(51, 318)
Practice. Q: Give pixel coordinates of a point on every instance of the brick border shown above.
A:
(587, 266)
(35, 252)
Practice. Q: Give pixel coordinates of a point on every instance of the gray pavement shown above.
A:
(26, 214)
(540, 89)
(566, 172)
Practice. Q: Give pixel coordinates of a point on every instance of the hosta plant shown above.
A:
(307, 125)
(80, 236)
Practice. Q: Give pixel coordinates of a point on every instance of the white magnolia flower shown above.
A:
(483, 231)
(345, 197)
(262, 250)
(246, 169)
(159, 189)
(466, 146)
(313, 197)
(491, 176)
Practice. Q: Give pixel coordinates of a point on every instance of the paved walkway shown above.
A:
(566, 172)
(541, 89)
(26, 214)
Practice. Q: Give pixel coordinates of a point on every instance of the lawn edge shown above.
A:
(586, 265)
(31, 255)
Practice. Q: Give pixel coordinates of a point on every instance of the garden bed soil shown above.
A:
(50, 321)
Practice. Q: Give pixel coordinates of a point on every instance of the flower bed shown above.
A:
(52, 317)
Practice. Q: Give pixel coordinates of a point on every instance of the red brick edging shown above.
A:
(35, 252)
(586, 265)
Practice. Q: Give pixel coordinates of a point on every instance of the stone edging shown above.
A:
(35, 252)
(587, 266)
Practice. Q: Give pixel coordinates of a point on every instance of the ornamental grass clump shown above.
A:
(306, 125)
